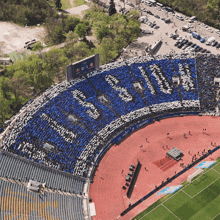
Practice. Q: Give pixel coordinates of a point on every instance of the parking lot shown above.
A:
(157, 16)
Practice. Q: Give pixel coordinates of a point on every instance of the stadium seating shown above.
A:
(16, 202)
(101, 105)
(24, 170)
(207, 68)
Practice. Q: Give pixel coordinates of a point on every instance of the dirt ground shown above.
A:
(15, 36)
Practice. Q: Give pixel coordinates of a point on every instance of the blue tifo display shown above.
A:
(78, 119)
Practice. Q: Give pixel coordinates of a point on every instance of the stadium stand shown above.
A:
(207, 69)
(71, 123)
(16, 202)
(17, 168)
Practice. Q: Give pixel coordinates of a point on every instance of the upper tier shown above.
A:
(78, 119)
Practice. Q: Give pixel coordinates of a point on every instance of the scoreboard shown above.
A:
(82, 67)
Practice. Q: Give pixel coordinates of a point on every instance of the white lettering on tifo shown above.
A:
(68, 136)
(123, 92)
(161, 80)
(146, 78)
(186, 77)
(80, 97)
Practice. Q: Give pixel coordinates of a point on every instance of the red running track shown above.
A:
(107, 193)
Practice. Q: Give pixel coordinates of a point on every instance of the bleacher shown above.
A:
(208, 68)
(75, 143)
(18, 203)
(23, 170)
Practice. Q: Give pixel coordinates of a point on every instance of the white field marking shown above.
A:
(187, 194)
(215, 171)
(175, 194)
(205, 188)
(216, 216)
(170, 211)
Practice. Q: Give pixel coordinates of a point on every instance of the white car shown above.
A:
(180, 17)
(184, 47)
(158, 8)
(171, 13)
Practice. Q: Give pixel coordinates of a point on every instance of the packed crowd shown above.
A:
(207, 69)
(131, 91)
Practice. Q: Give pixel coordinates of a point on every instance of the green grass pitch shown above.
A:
(199, 200)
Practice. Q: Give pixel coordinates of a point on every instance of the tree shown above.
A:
(38, 47)
(106, 50)
(58, 4)
(69, 50)
(81, 30)
(112, 9)
(71, 37)
(5, 111)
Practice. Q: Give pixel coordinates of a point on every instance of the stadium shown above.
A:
(97, 146)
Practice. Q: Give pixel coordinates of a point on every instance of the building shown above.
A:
(5, 60)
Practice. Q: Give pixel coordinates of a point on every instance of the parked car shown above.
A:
(189, 43)
(197, 48)
(195, 35)
(156, 27)
(149, 12)
(185, 41)
(169, 9)
(180, 17)
(158, 8)
(157, 16)
(214, 43)
(184, 47)
(202, 40)
(152, 25)
(218, 45)
(176, 43)
(180, 45)
(147, 31)
(167, 20)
